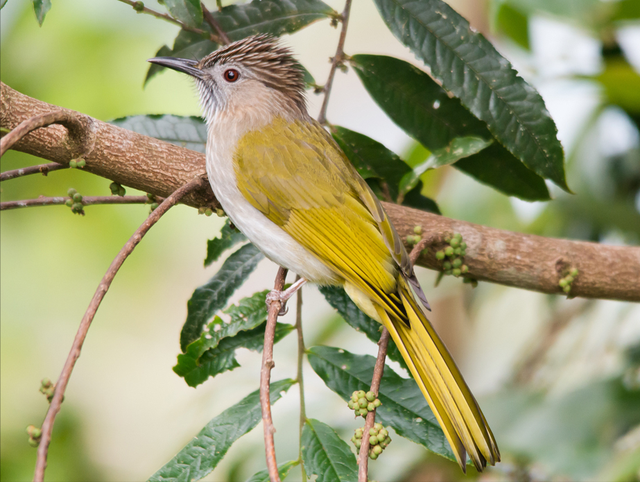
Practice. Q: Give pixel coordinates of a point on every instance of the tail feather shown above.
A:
(441, 383)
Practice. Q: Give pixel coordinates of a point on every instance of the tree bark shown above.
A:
(513, 259)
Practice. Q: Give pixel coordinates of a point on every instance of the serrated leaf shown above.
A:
(41, 8)
(459, 148)
(381, 167)
(276, 17)
(187, 11)
(339, 300)
(188, 132)
(228, 238)
(419, 106)
(470, 68)
(403, 405)
(203, 453)
(212, 296)
(283, 471)
(214, 352)
(326, 455)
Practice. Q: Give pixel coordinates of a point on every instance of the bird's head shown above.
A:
(252, 75)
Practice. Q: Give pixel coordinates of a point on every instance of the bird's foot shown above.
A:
(283, 296)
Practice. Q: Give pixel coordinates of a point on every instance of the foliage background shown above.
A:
(126, 413)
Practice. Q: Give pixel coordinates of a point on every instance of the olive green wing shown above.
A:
(297, 176)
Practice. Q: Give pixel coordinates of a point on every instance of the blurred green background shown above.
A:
(559, 380)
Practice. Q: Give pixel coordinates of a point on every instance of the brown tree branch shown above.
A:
(211, 20)
(43, 169)
(299, 377)
(265, 378)
(513, 259)
(74, 353)
(86, 201)
(337, 59)
(378, 370)
(165, 16)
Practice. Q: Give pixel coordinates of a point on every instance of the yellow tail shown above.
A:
(441, 383)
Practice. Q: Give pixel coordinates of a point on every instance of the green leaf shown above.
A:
(382, 168)
(154, 69)
(214, 351)
(339, 300)
(41, 8)
(403, 405)
(276, 17)
(420, 107)
(200, 456)
(510, 21)
(187, 11)
(229, 237)
(188, 132)
(283, 471)
(212, 296)
(470, 68)
(496, 167)
(326, 455)
(460, 147)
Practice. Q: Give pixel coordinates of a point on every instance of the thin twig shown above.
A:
(67, 119)
(165, 16)
(363, 458)
(86, 201)
(74, 353)
(211, 20)
(337, 59)
(43, 169)
(299, 378)
(265, 379)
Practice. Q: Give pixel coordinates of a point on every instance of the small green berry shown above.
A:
(457, 251)
(377, 403)
(458, 236)
(373, 432)
(208, 212)
(566, 289)
(574, 272)
(463, 245)
(371, 407)
(455, 242)
(569, 279)
(363, 412)
(361, 393)
(373, 440)
(463, 252)
(46, 383)
(387, 440)
(417, 230)
(81, 163)
(77, 207)
(77, 197)
(33, 443)
(380, 439)
(562, 283)
(362, 403)
(73, 163)
(69, 202)
(456, 272)
(373, 455)
(138, 7)
(383, 431)
(350, 404)
(377, 450)
(447, 238)
(446, 265)
(153, 206)
(151, 197)
(220, 213)
(359, 432)
(464, 269)
(424, 252)
(71, 192)
(370, 396)
(456, 263)
(378, 427)
(448, 251)
(440, 255)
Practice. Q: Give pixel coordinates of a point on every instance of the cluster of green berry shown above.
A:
(456, 250)
(47, 388)
(362, 403)
(73, 163)
(117, 189)
(565, 283)
(378, 439)
(34, 434)
(413, 239)
(75, 202)
(206, 211)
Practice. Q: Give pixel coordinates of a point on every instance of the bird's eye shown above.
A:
(231, 75)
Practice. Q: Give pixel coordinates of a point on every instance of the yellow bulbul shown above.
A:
(285, 183)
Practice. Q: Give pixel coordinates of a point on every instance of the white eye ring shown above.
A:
(231, 75)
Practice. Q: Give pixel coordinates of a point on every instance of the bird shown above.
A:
(287, 186)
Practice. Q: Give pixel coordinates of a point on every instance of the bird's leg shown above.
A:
(283, 296)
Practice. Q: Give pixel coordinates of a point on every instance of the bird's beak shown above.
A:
(187, 66)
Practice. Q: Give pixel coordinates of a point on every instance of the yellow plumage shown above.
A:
(295, 174)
